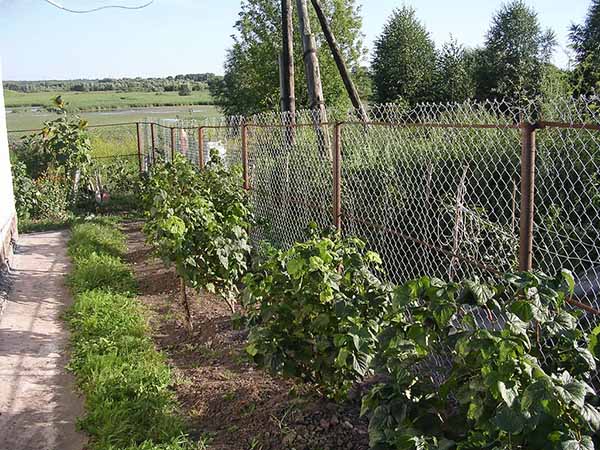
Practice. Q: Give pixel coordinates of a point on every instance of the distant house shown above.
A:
(8, 216)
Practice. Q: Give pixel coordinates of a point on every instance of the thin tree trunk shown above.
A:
(186, 304)
(458, 232)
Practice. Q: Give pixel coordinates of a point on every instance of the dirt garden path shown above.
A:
(38, 404)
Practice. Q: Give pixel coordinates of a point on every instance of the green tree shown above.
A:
(454, 75)
(404, 60)
(185, 89)
(585, 41)
(516, 51)
(251, 80)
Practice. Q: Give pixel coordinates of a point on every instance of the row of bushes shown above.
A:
(451, 365)
(126, 383)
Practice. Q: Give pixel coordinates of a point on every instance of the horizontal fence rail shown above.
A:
(446, 190)
(452, 191)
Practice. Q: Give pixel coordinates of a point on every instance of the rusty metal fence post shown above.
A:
(245, 156)
(153, 143)
(337, 177)
(526, 217)
(139, 146)
(172, 144)
(201, 147)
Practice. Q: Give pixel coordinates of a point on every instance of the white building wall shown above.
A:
(8, 221)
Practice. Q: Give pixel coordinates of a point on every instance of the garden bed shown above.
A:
(232, 404)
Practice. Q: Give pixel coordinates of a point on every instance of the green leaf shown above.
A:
(575, 392)
(523, 310)
(322, 321)
(508, 394)
(443, 314)
(252, 350)
(480, 293)
(342, 357)
(592, 415)
(295, 267)
(509, 420)
(585, 443)
(569, 279)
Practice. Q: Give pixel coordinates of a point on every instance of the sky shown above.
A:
(39, 41)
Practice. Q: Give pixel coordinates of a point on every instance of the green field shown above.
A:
(111, 140)
(26, 118)
(94, 101)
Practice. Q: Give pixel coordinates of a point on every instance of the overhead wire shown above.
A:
(99, 8)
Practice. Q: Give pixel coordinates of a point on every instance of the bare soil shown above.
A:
(231, 403)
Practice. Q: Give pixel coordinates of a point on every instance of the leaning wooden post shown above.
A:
(245, 156)
(201, 147)
(186, 304)
(526, 218)
(139, 146)
(339, 61)
(337, 178)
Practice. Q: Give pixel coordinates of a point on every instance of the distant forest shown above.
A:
(193, 82)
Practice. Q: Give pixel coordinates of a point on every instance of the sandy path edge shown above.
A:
(38, 400)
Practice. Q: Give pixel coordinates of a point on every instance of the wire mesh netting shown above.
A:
(436, 190)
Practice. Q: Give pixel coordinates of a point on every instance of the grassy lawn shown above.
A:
(93, 101)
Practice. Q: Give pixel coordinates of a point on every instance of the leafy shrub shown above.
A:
(24, 189)
(52, 197)
(512, 378)
(103, 272)
(48, 166)
(317, 309)
(92, 237)
(119, 176)
(199, 222)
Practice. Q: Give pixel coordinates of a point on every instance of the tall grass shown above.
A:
(126, 382)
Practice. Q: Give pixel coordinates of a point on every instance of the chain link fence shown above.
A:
(436, 190)
(115, 162)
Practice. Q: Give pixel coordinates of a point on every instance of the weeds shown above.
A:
(103, 272)
(126, 382)
(92, 237)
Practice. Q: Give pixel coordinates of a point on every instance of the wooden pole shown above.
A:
(153, 143)
(339, 61)
(186, 304)
(313, 75)
(288, 87)
(172, 144)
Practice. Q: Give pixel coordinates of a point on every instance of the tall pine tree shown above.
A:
(404, 60)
